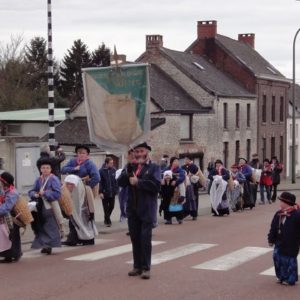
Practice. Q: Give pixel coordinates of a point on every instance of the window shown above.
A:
(225, 115)
(272, 146)
(264, 109)
(237, 151)
(248, 149)
(186, 127)
(237, 115)
(264, 148)
(248, 115)
(225, 154)
(13, 129)
(281, 149)
(273, 108)
(281, 113)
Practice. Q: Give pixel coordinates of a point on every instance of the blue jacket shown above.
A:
(10, 199)
(179, 173)
(247, 171)
(87, 168)
(108, 182)
(142, 198)
(52, 190)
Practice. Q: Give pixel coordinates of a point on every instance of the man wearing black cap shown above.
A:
(143, 180)
(284, 235)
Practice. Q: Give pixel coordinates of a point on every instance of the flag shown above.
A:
(117, 103)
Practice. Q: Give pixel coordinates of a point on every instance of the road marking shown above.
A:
(271, 271)
(37, 253)
(97, 255)
(177, 253)
(233, 259)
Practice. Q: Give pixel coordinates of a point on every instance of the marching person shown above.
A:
(46, 189)
(234, 192)
(246, 170)
(219, 177)
(276, 167)
(83, 167)
(81, 222)
(10, 242)
(143, 180)
(265, 182)
(284, 235)
(108, 188)
(257, 166)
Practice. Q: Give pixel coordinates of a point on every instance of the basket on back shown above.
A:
(65, 201)
(22, 212)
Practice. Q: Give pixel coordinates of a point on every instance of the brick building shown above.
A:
(207, 114)
(242, 62)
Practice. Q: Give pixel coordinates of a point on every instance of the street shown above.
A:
(211, 258)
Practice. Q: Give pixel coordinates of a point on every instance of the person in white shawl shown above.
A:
(81, 222)
(219, 177)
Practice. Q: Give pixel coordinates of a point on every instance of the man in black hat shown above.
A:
(284, 235)
(143, 180)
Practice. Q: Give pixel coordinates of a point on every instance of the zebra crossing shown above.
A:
(225, 262)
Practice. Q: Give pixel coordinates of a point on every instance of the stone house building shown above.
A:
(242, 62)
(207, 114)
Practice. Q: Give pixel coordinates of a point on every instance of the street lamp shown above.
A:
(294, 113)
(51, 135)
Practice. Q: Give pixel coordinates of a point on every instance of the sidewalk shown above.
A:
(204, 209)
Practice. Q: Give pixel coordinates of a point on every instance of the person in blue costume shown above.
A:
(284, 235)
(8, 198)
(47, 188)
(82, 166)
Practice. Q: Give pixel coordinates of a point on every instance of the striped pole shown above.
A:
(51, 135)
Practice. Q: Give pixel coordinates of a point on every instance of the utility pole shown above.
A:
(51, 135)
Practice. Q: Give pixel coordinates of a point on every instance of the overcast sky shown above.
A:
(125, 23)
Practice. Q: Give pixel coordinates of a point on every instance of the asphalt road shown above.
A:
(186, 259)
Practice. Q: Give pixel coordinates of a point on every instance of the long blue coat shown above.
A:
(142, 198)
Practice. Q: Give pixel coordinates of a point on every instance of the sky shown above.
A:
(126, 23)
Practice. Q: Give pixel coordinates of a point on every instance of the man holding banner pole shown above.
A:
(143, 180)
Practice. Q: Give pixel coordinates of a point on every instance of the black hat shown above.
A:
(266, 160)
(246, 161)
(172, 159)
(218, 161)
(44, 161)
(82, 147)
(7, 178)
(288, 198)
(143, 145)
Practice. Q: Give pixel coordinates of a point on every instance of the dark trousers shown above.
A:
(15, 250)
(108, 206)
(274, 192)
(254, 191)
(141, 236)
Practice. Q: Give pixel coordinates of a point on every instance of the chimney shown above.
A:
(247, 38)
(207, 29)
(154, 41)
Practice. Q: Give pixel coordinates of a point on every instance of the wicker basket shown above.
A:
(65, 201)
(22, 212)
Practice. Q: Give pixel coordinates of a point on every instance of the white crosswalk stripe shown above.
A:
(37, 253)
(97, 255)
(178, 252)
(271, 271)
(233, 259)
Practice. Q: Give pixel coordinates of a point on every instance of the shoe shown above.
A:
(270, 202)
(145, 275)
(194, 218)
(135, 272)
(7, 260)
(67, 243)
(108, 225)
(179, 221)
(88, 242)
(168, 222)
(47, 251)
(261, 203)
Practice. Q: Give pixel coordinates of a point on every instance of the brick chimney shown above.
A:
(154, 41)
(207, 29)
(248, 38)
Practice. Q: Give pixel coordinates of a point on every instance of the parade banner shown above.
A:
(117, 103)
